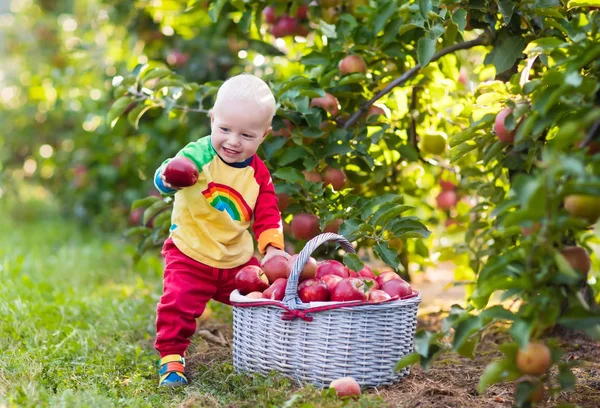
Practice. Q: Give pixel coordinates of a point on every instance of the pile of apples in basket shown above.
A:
(328, 280)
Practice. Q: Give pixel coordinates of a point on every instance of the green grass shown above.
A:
(77, 326)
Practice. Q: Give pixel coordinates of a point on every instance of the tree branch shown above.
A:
(591, 133)
(483, 39)
(140, 96)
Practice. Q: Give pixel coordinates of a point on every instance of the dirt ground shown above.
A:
(452, 380)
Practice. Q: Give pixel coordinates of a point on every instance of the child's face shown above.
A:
(237, 129)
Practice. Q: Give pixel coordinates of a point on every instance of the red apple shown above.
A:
(333, 226)
(313, 290)
(375, 110)
(276, 267)
(251, 278)
(367, 272)
(446, 199)
(374, 284)
(269, 15)
(302, 12)
(378, 295)
(397, 287)
(502, 133)
(255, 295)
(135, 217)
(305, 226)
(352, 63)
(276, 291)
(386, 276)
(285, 131)
(309, 270)
(346, 387)
(349, 289)
(312, 176)
(463, 77)
(283, 201)
(181, 172)
(284, 26)
(447, 185)
(332, 267)
(328, 102)
(335, 177)
(331, 281)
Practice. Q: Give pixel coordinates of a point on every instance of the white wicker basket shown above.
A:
(319, 344)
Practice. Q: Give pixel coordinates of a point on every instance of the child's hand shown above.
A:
(272, 252)
(168, 185)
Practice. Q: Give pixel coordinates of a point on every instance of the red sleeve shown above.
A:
(267, 225)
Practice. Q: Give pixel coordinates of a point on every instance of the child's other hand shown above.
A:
(168, 185)
(272, 252)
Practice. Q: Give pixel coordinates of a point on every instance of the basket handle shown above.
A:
(291, 298)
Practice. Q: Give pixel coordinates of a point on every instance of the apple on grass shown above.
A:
(276, 291)
(313, 290)
(349, 289)
(276, 267)
(345, 387)
(309, 270)
(251, 278)
(331, 281)
(332, 267)
(181, 172)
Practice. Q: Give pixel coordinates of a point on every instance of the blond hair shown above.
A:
(247, 87)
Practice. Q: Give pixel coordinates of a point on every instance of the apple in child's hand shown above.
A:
(345, 387)
(276, 291)
(397, 287)
(349, 289)
(331, 281)
(181, 172)
(309, 270)
(255, 295)
(251, 279)
(313, 290)
(276, 267)
(378, 295)
(386, 276)
(332, 267)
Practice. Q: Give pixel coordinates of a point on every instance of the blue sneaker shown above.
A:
(171, 370)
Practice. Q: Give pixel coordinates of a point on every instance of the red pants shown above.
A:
(188, 285)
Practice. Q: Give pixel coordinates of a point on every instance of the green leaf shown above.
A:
(424, 7)
(144, 202)
(407, 360)
(566, 379)
(493, 373)
(171, 82)
(387, 254)
(425, 50)
(408, 152)
(507, 8)
(117, 109)
(384, 13)
(292, 154)
(460, 19)
(136, 114)
(155, 73)
(583, 3)
(464, 330)
(289, 174)
(504, 55)
(353, 262)
(215, 9)
(521, 332)
(153, 210)
(132, 232)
